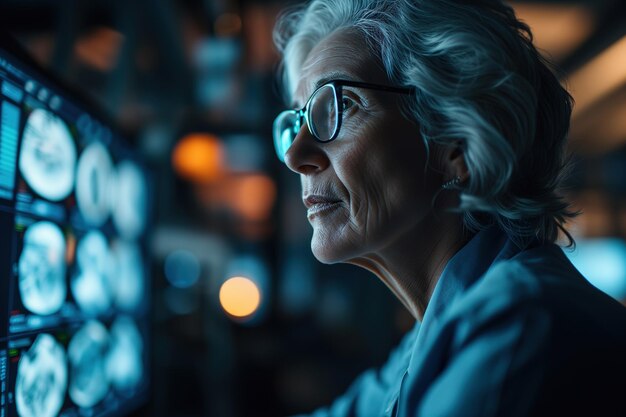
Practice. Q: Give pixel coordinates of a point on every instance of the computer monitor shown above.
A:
(74, 294)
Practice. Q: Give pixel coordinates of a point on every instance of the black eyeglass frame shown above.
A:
(304, 113)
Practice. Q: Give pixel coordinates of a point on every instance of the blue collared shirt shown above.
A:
(507, 332)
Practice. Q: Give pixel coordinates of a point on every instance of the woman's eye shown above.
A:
(346, 104)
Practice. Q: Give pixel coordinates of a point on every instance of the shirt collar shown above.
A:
(464, 269)
(467, 265)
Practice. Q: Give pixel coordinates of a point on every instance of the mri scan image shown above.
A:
(47, 158)
(129, 200)
(128, 280)
(86, 355)
(125, 363)
(92, 183)
(91, 284)
(41, 379)
(41, 268)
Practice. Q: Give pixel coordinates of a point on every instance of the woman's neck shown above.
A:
(412, 264)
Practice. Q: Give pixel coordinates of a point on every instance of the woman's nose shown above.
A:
(305, 155)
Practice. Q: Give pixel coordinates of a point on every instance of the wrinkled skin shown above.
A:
(375, 169)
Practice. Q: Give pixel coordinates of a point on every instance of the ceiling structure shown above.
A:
(138, 57)
(587, 40)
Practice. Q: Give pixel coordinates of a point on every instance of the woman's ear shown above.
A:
(454, 161)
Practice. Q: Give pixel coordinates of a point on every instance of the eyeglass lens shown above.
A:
(323, 113)
(286, 127)
(322, 116)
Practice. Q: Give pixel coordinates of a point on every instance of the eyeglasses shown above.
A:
(322, 113)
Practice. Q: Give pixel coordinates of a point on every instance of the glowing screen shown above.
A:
(74, 294)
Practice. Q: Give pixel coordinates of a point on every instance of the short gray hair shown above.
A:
(479, 82)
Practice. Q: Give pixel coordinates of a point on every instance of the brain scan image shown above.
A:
(129, 200)
(47, 158)
(91, 284)
(125, 360)
(92, 183)
(86, 355)
(128, 281)
(41, 379)
(41, 268)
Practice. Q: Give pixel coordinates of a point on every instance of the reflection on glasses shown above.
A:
(322, 113)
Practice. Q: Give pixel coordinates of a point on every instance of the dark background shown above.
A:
(192, 85)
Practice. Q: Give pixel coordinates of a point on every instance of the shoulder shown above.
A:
(539, 290)
(531, 328)
(556, 311)
(542, 276)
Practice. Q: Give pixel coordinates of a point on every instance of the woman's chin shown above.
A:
(329, 249)
(324, 256)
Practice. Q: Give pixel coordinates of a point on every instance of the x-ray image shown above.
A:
(41, 268)
(41, 379)
(47, 159)
(86, 356)
(129, 200)
(125, 362)
(91, 284)
(93, 176)
(128, 281)
(74, 217)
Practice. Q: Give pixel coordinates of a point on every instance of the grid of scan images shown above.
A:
(73, 287)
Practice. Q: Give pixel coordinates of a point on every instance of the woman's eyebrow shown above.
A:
(325, 79)
(337, 75)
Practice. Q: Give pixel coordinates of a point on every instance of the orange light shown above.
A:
(596, 217)
(199, 157)
(250, 196)
(100, 48)
(597, 79)
(228, 24)
(258, 22)
(603, 127)
(239, 297)
(557, 28)
(253, 196)
(70, 251)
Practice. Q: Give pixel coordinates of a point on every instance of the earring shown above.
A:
(452, 183)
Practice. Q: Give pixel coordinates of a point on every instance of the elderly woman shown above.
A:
(429, 139)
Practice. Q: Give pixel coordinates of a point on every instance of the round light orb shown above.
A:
(240, 297)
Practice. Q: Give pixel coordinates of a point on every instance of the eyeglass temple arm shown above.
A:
(401, 90)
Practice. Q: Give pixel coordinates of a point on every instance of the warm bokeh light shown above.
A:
(70, 252)
(199, 157)
(100, 48)
(258, 22)
(603, 127)
(557, 28)
(599, 90)
(252, 196)
(602, 75)
(227, 24)
(240, 296)
(595, 218)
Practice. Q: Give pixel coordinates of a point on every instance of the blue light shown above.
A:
(603, 263)
(297, 288)
(182, 268)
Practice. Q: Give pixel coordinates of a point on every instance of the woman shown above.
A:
(429, 142)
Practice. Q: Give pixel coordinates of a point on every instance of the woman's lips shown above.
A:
(317, 204)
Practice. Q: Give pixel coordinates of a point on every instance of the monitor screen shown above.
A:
(74, 293)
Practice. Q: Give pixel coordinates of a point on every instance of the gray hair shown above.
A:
(479, 83)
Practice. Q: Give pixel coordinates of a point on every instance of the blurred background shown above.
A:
(244, 321)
